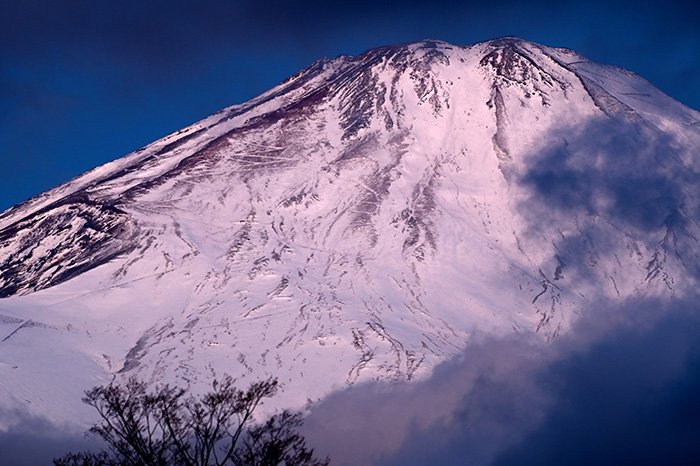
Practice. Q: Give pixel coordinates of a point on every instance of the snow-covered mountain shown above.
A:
(362, 220)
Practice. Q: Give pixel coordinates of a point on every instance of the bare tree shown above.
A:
(169, 427)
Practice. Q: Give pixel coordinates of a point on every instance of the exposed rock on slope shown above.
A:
(359, 221)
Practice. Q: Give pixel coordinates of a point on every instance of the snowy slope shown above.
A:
(362, 220)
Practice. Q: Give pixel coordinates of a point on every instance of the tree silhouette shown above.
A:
(170, 427)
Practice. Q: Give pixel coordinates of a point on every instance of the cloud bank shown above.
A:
(34, 441)
(620, 388)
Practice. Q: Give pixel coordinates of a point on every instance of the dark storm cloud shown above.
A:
(34, 441)
(621, 388)
(633, 178)
(617, 169)
(628, 400)
(396, 424)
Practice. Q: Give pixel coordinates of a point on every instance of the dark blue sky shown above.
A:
(85, 82)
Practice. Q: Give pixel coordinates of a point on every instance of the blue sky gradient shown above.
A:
(85, 82)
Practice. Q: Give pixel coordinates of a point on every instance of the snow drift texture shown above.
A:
(361, 221)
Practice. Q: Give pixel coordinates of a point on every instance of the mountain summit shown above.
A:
(363, 220)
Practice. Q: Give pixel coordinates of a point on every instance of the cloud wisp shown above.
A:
(619, 387)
